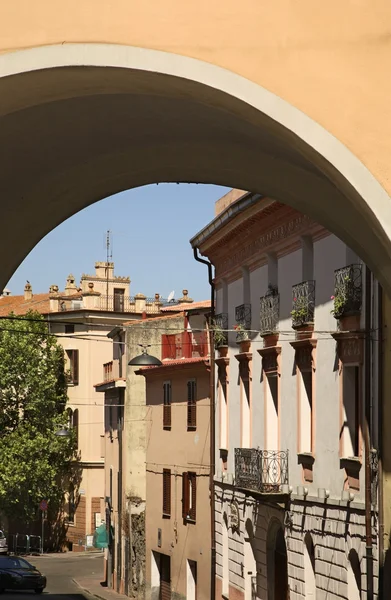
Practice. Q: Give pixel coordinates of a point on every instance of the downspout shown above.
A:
(380, 437)
(212, 427)
(367, 430)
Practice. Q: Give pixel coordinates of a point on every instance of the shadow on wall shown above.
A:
(387, 574)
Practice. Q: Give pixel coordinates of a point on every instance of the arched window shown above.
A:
(354, 576)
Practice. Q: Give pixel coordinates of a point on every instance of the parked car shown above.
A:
(3, 543)
(18, 574)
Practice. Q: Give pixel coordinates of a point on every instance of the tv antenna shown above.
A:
(109, 258)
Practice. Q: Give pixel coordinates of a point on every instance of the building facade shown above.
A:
(296, 385)
(178, 510)
(81, 316)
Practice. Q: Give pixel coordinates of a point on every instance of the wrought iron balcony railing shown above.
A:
(220, 325)
(303, 303)
(243, 321)
(263, 471)
(347, 291)
(269, 308)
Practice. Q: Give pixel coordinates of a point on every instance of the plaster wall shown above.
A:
(179, 450)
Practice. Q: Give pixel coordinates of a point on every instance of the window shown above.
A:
(350, 423)
(166, 493)
(223, 402)
(191, 405)
(272, 420)
(191, 588)
(245, 402)
(119, 299)
(189, 496)
(72, 367)
(71, 506)
(167, 405)
(69, 328)
(305, 412)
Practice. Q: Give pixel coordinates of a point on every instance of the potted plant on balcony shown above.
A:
(348, 319)
(242, 337)
(301, 317)
(220, 340)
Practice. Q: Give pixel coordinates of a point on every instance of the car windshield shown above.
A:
(14, 562)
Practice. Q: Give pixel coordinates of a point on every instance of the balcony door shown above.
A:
(119, 300)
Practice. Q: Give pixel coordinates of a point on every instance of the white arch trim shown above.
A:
(128, 57)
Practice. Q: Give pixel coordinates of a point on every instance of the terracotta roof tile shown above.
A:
(189, 306)
(20, 306)
(168, 363)
(149, 319)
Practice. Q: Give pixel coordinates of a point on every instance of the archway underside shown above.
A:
(71, 136)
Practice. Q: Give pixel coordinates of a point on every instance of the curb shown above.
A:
(87, 591)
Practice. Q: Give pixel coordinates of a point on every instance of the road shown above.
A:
(60, 570)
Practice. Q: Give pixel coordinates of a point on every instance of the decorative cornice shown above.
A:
(304, 352)
(270, 356)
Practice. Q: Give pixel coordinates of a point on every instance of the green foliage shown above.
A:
(299, 313)
(220, 336)
(341, 298)
(34, 463)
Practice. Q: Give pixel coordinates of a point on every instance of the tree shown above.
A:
(35, 464)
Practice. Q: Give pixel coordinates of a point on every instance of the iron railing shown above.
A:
(303, 303)
(243, 321)
(261, 470)
(269, 308)
(347, 290)
(119, 303)
(220, 325)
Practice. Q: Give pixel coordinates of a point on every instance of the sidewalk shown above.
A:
(91, 585)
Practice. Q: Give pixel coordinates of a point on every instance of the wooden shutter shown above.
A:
(167, 405)
(166, 492)
(185, 495)
(75, 369)
(193, 491)
(191, 405)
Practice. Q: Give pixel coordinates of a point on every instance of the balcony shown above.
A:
(243, 321)
(184, 345)
(269, 308)
(303, 303)
(263, 471)
(132, 304)
(347, 291)
(220, 326)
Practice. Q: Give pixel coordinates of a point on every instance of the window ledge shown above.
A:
(167, 427)
(191, 428)
(305, 458)
(166, 516)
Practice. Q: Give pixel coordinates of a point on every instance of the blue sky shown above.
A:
(151, 227)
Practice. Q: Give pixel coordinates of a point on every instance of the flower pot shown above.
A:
(304, 331)
(223, 351)
(245, 346)
(349, 323)
(270, 339)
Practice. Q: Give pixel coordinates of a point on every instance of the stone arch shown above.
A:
(277, 562)
(354, 576)
(309, 567)
(218, 127)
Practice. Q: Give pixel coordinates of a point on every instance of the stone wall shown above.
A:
(335, 529)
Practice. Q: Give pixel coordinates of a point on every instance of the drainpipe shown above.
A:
(367, 430)
(212, 427)
(380, 436)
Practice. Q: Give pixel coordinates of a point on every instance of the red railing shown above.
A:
(184, 345)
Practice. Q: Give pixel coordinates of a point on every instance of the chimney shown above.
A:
(70, 287)
(28, 291)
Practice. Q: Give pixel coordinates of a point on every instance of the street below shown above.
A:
(60, 571)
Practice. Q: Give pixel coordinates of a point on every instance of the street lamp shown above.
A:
(63, 432)
(144, 359)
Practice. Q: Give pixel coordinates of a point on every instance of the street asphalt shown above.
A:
(61, 570)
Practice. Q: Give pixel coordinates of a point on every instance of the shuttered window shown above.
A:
(166, 492)
(167, 405)
(191, 405)
(72, 367)
(189, 496)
